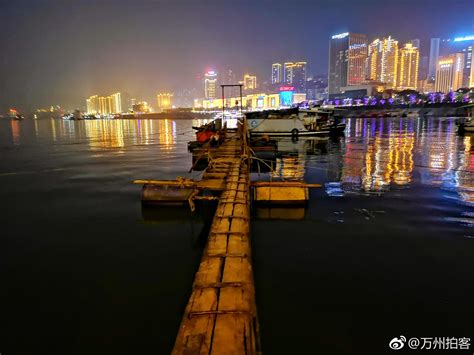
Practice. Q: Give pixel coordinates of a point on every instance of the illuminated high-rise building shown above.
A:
(125, 99)
(423, 68)
(93, 105)
(471, 83)
(373, 61)
(210, 84)
(164, 101)
(449, 73)
(462, 45)
(382, 61)
(299, 77)
(408, 65)
(116, 103)
(288, 72)
(250, 82)
(434, 54)
(104, 105)
(276, 73)
(347, 57)
(295, 75)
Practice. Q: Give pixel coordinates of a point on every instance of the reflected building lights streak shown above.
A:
(388, 156)
(111, 133)
(53, 129)
(15, 126)
(36, 130)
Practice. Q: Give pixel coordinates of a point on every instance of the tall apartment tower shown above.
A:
(276, 73)
(383, 61)
(408, 64)
(295, 75)
(210, 84)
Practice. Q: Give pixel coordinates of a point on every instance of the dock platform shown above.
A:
(221, 314)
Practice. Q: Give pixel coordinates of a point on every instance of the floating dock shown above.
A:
(221, 315)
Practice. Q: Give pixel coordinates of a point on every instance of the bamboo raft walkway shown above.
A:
(221, 314)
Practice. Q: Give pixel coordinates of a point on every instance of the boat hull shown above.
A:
(285, 127)
(466, 128)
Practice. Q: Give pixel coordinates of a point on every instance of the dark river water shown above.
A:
(385, 249)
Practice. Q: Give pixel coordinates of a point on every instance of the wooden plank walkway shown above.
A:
(221, 315)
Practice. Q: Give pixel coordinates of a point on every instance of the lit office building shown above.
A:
(449, 73)
(409, 62)
(164, 101)
(276, 73)
(462, 45)
(295, 75)
(210, 84)
(250, 82)
(383, 61)
(347, 56)
(448, 46)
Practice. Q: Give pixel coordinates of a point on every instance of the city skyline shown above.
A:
(42, 67)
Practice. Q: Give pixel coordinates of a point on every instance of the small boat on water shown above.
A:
(466, 124)
(77, 115)
(212, 133)
(296, 122)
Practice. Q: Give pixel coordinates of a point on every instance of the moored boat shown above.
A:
(466, 125)
(296, 122)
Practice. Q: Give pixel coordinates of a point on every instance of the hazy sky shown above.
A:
(60, 52)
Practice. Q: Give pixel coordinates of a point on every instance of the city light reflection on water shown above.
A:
(414, 175)
(380, 153)
(106, 134)
(375, 155)
(112, 133)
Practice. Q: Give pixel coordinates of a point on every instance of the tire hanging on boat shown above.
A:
(294, 133)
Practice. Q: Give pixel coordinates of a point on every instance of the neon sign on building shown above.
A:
(341, 35)
(462, 39)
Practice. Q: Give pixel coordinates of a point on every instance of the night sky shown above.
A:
(60, 52)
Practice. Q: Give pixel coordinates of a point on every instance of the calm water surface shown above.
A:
(85, 269)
